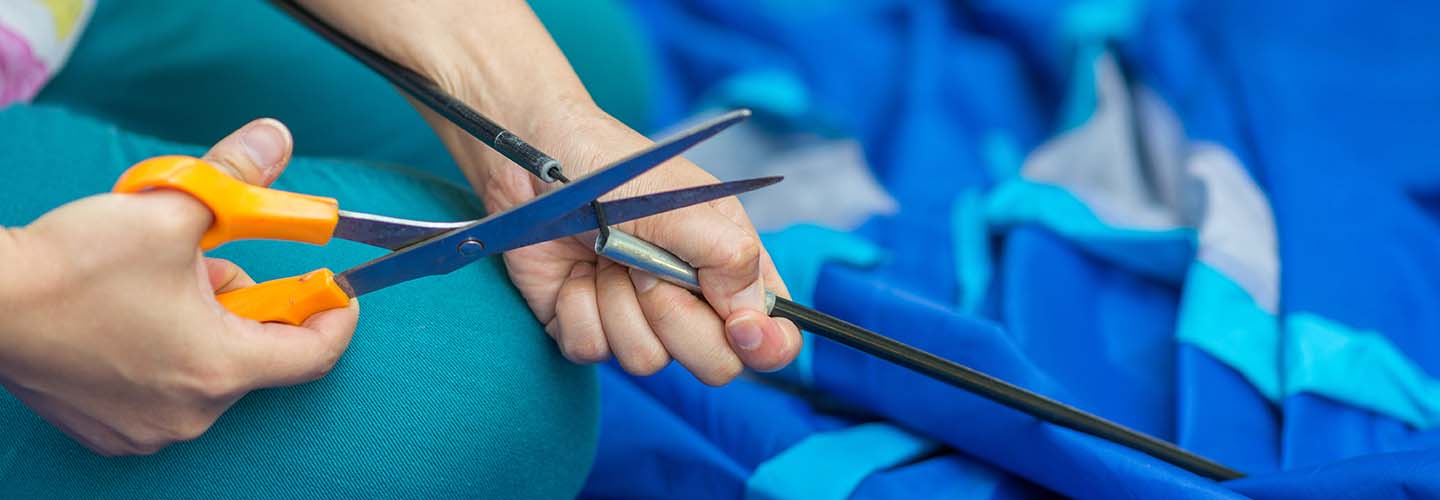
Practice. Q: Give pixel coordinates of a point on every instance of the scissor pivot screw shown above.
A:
(471, 247)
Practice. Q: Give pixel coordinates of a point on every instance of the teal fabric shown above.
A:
(191, 72)
(830, 465)
(450, 387)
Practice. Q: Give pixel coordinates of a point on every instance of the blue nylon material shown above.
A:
(1224, 322)
(669, 435)
(1328, 106)
(831, 465)
(1361, 368)
(1162, 254)
(973, 261)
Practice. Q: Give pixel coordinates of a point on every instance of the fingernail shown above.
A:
(265, 144)
(752, 297)
(745, 332)
(642, 280)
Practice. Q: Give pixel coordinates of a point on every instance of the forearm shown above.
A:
(494, 55)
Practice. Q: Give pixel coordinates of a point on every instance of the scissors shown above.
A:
(419, 248)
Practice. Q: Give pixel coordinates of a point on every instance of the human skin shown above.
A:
(109, 327)
(498, 58)
(121, 375)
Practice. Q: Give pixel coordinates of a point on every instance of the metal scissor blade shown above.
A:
(628, 209)
(452, 250)
(507, 227)
(395, 233)
(390, 233)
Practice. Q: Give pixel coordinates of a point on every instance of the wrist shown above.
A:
(526, 98)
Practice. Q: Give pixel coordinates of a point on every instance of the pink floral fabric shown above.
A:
(21, 73)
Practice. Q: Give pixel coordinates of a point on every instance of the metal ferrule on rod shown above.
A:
(636, 253)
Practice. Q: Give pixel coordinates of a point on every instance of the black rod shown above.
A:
(996, 390)
(432, 96)
(894, 351)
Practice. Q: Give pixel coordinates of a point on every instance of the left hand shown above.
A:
(504, 64)
(595, 308)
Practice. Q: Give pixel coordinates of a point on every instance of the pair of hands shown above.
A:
(127, 377)
(125, 349)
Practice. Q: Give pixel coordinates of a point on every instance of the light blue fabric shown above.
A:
(1090, 25)
(830, 465)
(775, 92)
(1080, 100)
(1221, 319)
(1002, 155)
(1286, 89)
(1358, 367)
(1164, 254)
(972, 248)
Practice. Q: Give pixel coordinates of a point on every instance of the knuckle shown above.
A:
(322, 368)
(144, 442)
(189, 428)
(742, 253)
(722, 374)
(176, 215)
(586, 349)
(646, 361)
(147, 448)
(207, 382)
(665, 309)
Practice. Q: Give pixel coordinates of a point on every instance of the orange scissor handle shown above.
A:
(287, 300)
(242, 211)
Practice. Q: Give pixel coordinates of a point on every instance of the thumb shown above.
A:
(275, 355)
(256, 153)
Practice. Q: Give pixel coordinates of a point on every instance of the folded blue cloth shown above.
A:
(1213, 221)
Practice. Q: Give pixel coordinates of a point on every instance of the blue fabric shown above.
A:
(830, 465)
(449, 388)
(1163, 254)
(1361, 368)
(1230, 327)
(1325, 109)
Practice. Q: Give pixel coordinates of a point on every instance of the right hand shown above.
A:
(110, 329)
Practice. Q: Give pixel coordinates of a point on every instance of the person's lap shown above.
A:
(450, 386)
